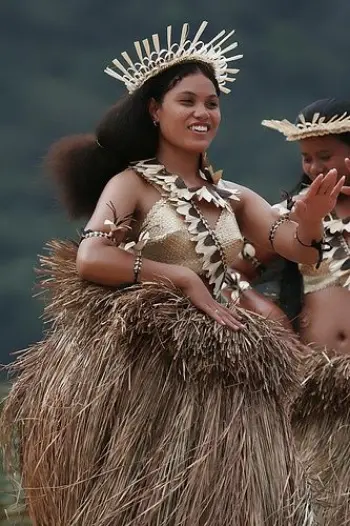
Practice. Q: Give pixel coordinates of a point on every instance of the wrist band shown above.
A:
(137, 267)
(321, 246)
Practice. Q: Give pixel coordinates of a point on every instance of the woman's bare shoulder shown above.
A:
(239, 192)
(128, 178)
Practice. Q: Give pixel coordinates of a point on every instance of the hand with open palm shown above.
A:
(320, 199)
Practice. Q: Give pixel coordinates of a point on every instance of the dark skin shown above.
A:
(324, 320)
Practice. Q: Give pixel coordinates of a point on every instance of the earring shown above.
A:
(156, 123)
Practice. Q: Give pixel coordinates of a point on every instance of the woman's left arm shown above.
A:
(262, 225)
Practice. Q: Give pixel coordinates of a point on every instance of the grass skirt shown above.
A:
(137, 409)
(321, 423)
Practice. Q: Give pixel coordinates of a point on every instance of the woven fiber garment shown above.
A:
(137, 409)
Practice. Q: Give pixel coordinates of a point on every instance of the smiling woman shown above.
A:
(189, 116)
(153, 399)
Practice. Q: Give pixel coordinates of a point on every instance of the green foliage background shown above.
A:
(52, 84)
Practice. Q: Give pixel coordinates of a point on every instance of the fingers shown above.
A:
(338, 187)
(224, 316)
(231, 322)
(328, 183)
(315, 186)
(230, 318)
(347, 164)
(323, 184)
(345, 190)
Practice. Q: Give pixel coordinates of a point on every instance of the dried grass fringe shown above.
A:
(321, 424)
(137, 409)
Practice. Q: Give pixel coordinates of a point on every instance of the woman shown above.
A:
(320, 300)
(151, 399)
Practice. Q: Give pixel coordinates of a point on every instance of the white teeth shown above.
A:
(199, 128)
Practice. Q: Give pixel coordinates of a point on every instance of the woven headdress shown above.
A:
(318, 126)
(153, 59)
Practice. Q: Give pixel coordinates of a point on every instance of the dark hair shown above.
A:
(291, 289)
(82, 165)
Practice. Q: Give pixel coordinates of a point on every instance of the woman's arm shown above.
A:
(256, 219)
(99, 260)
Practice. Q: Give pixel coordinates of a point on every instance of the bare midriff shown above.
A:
(325, 319)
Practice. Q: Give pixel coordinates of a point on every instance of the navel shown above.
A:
(341, 336)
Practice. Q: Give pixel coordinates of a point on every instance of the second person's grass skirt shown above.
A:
(321, 424)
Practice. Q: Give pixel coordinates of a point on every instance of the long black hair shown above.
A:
(81, 165)
(291, 286)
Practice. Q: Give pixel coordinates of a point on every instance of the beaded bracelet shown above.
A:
(137, 266)
(275, 225)
(117, 227)
(96, 233)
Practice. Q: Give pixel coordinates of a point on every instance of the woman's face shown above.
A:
(189, 115)
(320, 154)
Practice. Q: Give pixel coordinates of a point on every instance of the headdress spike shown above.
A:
(226, 37)
(156, 43)
(199, 33)
(146, 46)
(120, 66)
(219, 35)
(184, 34)
(168, 37)
(138, 50)
(127, 59)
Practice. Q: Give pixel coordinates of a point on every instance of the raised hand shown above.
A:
(320, 199)
(346, 189)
